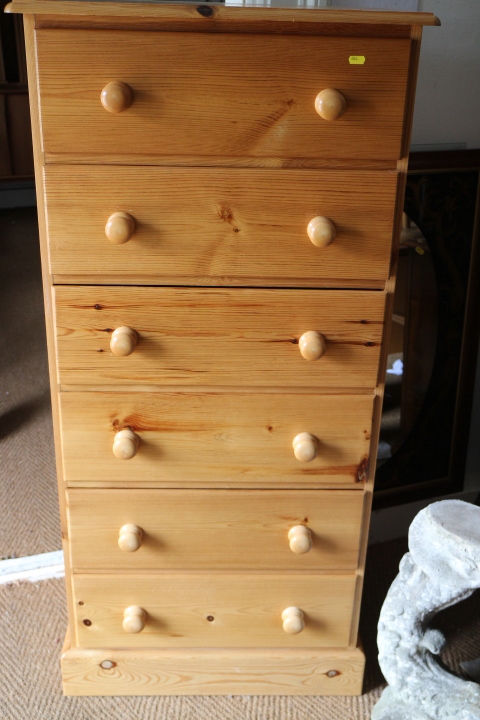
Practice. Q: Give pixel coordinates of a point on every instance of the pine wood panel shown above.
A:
(221, 13)
(238, 24)
(256, 99)
(220, 671)
(246, 609)
(206, 226)
(49, 319)
(222, 529)
(215, 439)
(217, 337)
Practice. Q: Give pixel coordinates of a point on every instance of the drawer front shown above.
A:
(220, 95)
(204, 226)
(214, 439)
(217, 337)
(221, 529)
(213, 610)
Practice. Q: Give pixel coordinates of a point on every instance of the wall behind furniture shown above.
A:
(447, 105)
(447, 110)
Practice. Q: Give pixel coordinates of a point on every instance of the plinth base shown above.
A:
(106, 671)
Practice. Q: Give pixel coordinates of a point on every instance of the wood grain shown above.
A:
(215, 439)
(214, 529)
(221, 13)
(220, 671)
(49, 318)
(246, 609)
(222, 226)
(256, 100)
(239, 24)
(218, 337)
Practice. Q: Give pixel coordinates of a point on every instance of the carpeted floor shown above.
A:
(33, 616)
(28, 494)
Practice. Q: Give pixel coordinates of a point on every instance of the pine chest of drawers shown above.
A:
(219, 199)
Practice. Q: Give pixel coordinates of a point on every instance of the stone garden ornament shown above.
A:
(441, 569)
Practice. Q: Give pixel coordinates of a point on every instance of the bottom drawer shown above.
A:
(214, 610)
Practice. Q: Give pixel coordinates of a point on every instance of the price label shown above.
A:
(356, 59)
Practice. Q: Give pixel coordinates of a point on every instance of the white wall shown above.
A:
(447, 106)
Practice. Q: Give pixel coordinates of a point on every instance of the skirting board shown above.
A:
(337, 671)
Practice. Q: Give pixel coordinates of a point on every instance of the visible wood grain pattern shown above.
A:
(229, 226)
(233, 161)
(220, 671)
(215, 529)
(390, 293)
(214, 609)
(256, 100)
(215, 440)
(214, 326)
(49, 321)
(221, 12)
(217, 337)
(236, 25)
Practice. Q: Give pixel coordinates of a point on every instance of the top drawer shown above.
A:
(220, 98)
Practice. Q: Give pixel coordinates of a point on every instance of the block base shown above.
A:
(100, 671)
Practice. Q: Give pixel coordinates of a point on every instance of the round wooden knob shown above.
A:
(120, 228)
(134, 619)
(300, 539)
(321, 231)
(116, 96)
(330, 104)
(123, 341)
(305, 447)
(312, 345)
(130, 538)
(293, 620)
(125, 444)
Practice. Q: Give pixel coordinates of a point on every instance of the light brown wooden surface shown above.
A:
(220, 671)
(221, 13)
(215, 439)
(215, 529)
(220, 226)
(49, 316)
(238, 24)
(245, 608)
(274, 130)
(217, 337)
(256, 99)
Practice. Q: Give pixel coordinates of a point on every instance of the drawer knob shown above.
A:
(293, 620)
(123, 341)
(125, 444)
(116, 96)
(330, 104)
(312, 345)
(130, 538)
(305, 447)
(300, 539)
(120, 228)
(321, 231)
(134, 619)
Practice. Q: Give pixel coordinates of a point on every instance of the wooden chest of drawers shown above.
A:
(219, 197)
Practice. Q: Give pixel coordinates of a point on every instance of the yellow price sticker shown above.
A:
(356, 59)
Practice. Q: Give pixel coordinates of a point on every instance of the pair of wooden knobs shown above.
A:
(117, 96)
(126, 443)
(121, 226)
(130, 538)
(135, 619)
(124, 340)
